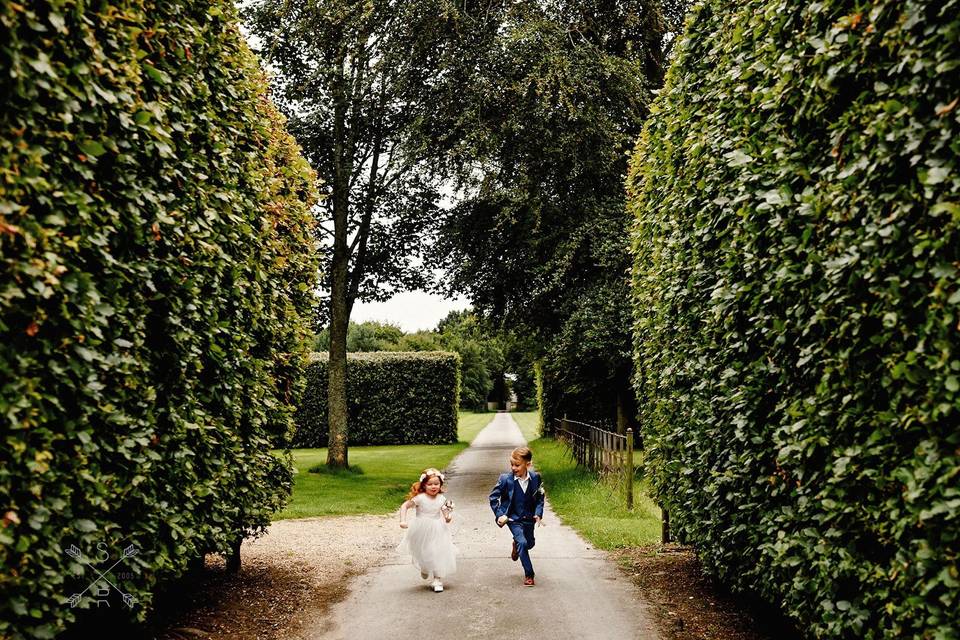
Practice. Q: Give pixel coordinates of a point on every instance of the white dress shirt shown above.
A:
(524, 482)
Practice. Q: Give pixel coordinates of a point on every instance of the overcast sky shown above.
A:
(411, 311)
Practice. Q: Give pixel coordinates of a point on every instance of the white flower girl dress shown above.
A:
(428, 540)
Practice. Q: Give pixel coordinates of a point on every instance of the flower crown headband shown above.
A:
(423, 476)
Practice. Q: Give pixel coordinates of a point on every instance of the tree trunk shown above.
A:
(233, 558)
(623, 421)
(339, 305)
(626, 401)
(337, 383)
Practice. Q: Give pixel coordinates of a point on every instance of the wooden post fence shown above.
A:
(605, 452)
(600, 450)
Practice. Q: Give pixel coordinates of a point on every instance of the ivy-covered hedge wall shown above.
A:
(392, 398)
(797, 202)
(157, 264)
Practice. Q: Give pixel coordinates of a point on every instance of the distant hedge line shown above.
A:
(157, 265)
(797, 202)
(392, 398)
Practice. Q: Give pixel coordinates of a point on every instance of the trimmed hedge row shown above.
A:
(797, 294)
(157, 266)
(392, 398)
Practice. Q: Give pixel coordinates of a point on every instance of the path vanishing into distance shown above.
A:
(580, 594)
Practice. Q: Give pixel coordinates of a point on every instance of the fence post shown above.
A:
(588, 448)
(629, 469)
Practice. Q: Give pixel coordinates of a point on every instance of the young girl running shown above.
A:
(428, 539)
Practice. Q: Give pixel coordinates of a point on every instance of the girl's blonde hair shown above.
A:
(420, 485)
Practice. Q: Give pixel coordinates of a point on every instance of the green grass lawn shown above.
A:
(471, 424)
(378, 479)
(597, 510)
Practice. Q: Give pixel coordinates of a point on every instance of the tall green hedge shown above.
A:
(157, 264)
(392, 398)
(797, 201)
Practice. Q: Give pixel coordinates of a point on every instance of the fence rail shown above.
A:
(602, 451)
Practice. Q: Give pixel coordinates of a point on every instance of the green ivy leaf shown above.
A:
(84, 525)
(155, 74)
(93, 148)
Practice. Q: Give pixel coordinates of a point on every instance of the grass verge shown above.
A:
(529, 423)
(471, 424)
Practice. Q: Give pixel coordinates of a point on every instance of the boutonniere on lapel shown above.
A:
(541, 491)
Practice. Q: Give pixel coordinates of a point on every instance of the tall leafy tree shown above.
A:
(373, 336)
(540, 240)
(354, 78)
(481, 350)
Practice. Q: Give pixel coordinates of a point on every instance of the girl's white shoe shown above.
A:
(437, 586)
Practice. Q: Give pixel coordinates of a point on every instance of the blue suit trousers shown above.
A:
(523, 535)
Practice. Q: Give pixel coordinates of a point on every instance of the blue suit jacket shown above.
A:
(502, 494)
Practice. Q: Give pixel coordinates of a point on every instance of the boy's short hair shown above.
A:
(522, 453)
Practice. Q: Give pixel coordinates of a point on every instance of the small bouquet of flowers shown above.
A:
(447, 508)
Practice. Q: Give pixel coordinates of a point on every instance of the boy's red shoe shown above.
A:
(514, 554)
(528, 582)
